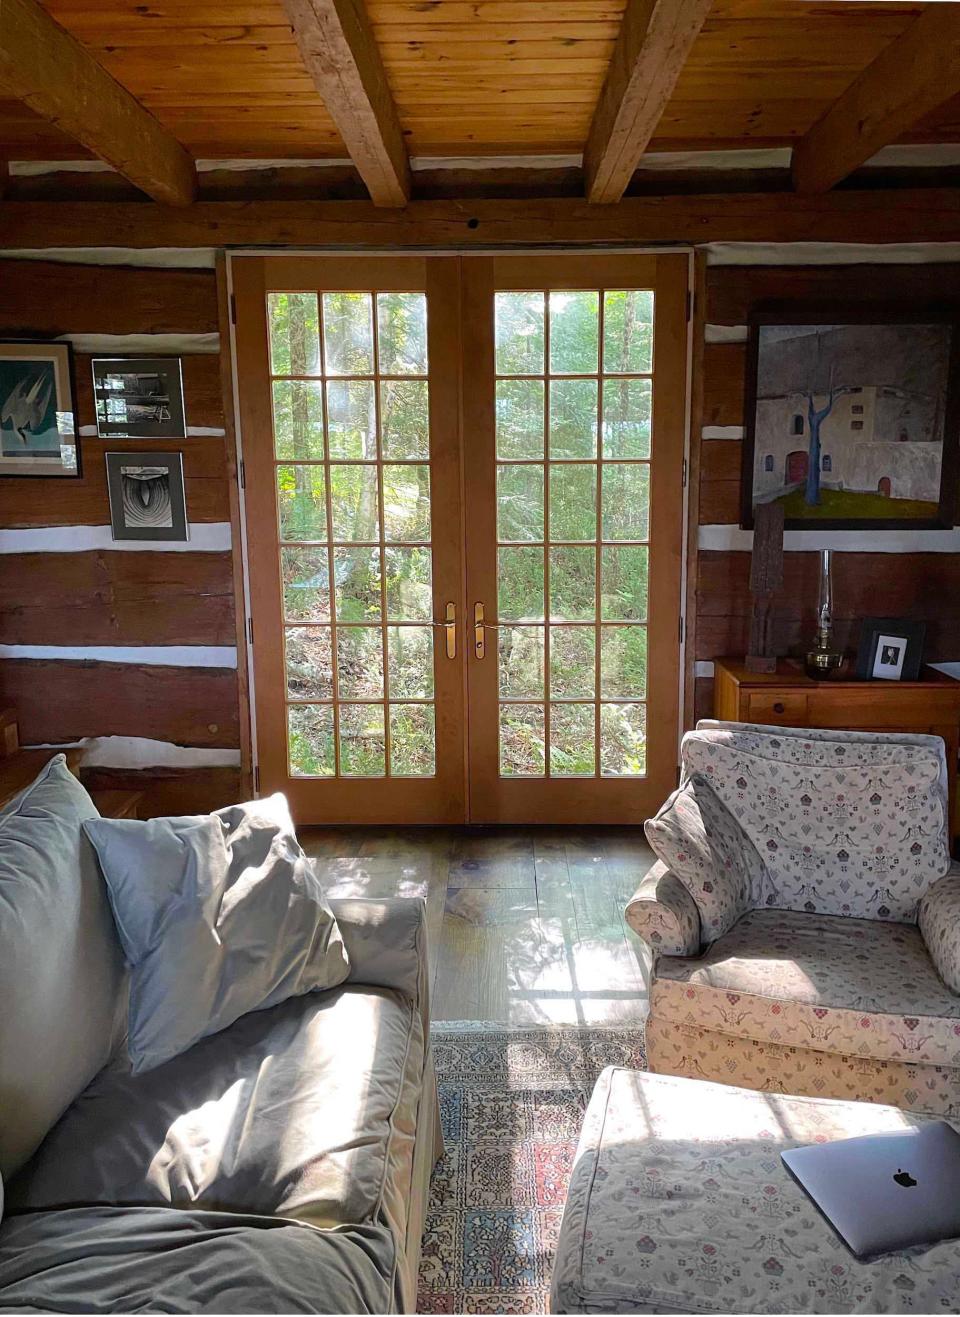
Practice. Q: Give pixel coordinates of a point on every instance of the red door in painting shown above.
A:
(797, 463)
(883, 486)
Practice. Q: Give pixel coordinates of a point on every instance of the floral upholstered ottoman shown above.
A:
(678, 1202)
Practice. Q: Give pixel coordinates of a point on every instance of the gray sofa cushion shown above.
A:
(60, 961)
(219, 914)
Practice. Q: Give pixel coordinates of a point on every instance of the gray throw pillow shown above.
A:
(219, 914)
(61, 968)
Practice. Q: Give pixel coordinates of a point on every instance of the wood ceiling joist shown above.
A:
(911, 77)
(655, 39)
(337, 46)
(49, 71)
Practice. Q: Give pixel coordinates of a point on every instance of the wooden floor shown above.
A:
(526, 925)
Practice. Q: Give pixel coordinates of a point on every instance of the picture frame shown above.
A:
(139, 397)
(38, 432)
(147, 496)
(853, 417)
(890, 649)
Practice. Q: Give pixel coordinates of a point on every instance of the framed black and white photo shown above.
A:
(38, 435)
(853, 418)
(147, 500)
(890, 649)
(139, 397)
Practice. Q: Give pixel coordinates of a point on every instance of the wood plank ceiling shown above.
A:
(228, 79)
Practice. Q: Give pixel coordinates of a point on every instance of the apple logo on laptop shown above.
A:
(905, 1179)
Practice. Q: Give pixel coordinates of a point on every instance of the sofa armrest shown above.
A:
(940, 926)
(664, 914)
(386, 941)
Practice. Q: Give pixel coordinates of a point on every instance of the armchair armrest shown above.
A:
(664, 914)
(939, 922)
(386, 942)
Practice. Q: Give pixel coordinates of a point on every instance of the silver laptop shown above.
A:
(885, 1192)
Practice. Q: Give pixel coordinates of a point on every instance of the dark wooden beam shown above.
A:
(48, 69)
(909, 79)
(881, 216)
(651, 50)
(337, 46)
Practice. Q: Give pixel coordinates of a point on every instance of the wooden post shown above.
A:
(766, 579)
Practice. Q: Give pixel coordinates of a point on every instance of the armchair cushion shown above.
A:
(664, 914)
(856, 987)
(699, 839)
(940, 926)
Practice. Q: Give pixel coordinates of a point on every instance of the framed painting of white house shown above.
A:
(852, 419)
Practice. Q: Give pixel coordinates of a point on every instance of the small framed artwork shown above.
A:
(890, 649)
(853, 419)
(38, 435)
(139, 397)
(147, 499)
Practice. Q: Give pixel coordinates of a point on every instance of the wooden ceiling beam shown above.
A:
(900, 215)
(47, 69)
(651, 50)
(910, 78)
(337, 46)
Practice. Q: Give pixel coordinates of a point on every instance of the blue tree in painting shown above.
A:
(815, 419)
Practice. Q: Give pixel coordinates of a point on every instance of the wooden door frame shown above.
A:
(692, 404)
(606, 799)
(437, 799)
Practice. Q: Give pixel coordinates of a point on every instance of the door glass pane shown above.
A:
(402, 333)
(352, 420)
(412, 740)
(628, 332)
(520, 502)
(519, 333)
(591, 364)
(521, 655)
(298, 420)
(623, 740)
(294, 333)
(348, 333)
(522, 736)
(363, 742)
(572, 740)
(359, 662)
(519, 408)
(573, 419)
(574, 331)
(302, 498)
(352, 452)
(405, 419)
(308, 661)
(627, 407)
(311, 740)
(520, 584)
(306, 585)
(626, 498)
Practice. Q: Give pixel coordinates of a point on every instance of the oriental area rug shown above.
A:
(511, 1103)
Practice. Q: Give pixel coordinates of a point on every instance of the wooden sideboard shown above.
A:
(790, 698)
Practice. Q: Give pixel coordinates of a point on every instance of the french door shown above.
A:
(463, 505)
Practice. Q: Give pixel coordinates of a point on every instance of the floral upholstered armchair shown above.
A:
(804, 916)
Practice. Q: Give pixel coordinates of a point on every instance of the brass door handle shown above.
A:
(480, 627)
(449, 625)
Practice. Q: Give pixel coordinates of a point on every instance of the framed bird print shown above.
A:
(38, 433)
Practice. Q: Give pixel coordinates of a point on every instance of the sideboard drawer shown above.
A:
(788, 708)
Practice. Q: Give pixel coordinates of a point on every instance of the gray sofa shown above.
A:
(280, 1165)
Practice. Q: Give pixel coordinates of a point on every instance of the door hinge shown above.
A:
(690, 304)
(242, 474)
(683, 476)
(256, 778)
(250, 629)
(680, 629)
(233, 308)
